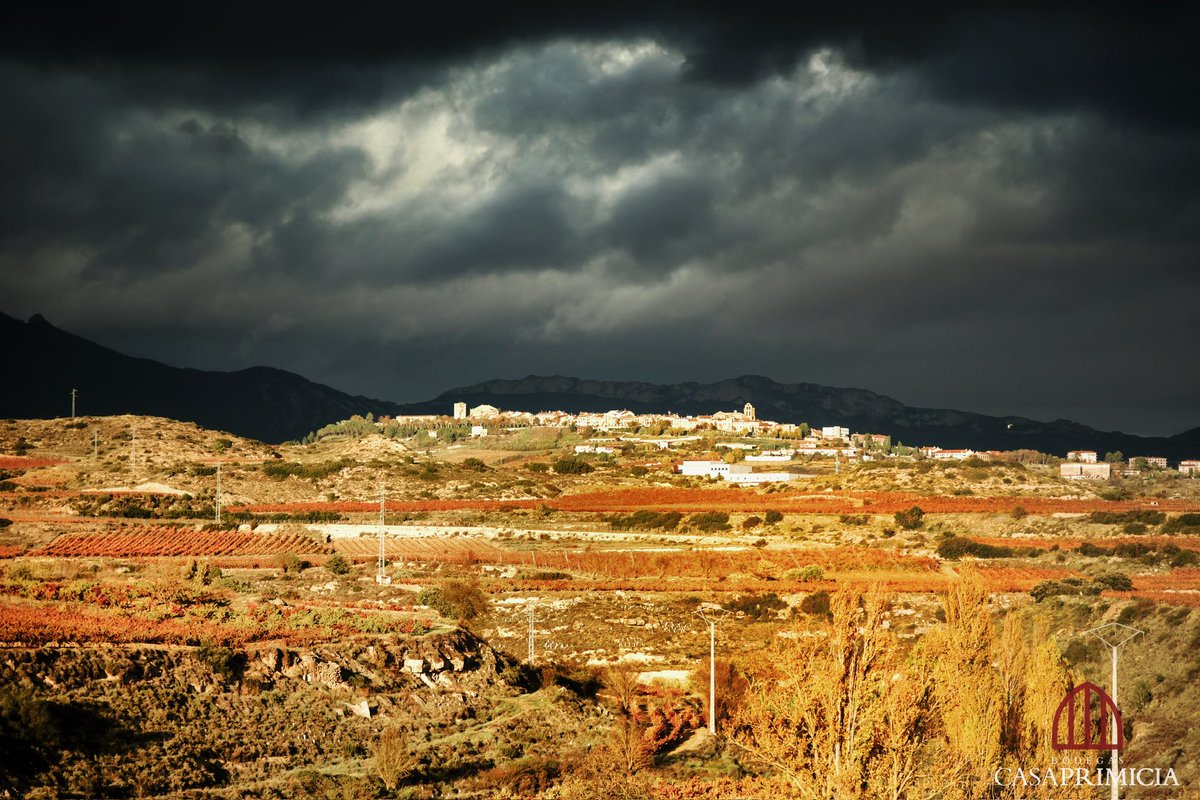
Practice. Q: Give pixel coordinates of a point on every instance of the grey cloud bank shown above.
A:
(996, 212)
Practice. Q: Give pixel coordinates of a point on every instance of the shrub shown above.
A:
(1145, 517)
(816, 604)
(645, 520)
(709, 521)
(474, 465)
(639, 471)
(910, 519)
(774, 517)
(1019, 512)
(291, 563)
(225, 664)
(537, 466)
(1116, 581)
(756, 606)
(337, 564)
(810, 573)
(1068, 586)
(457, 599)
(5, 522)
(953, 548)
(751, 522)
(570, 465)
(1135, 610)
(1183, 523)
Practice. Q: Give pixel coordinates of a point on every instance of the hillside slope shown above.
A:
(268, 404)
(859, 409)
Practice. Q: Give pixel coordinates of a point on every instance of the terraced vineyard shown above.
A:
(167, 540)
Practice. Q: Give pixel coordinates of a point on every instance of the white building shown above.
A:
(835, 432)
(734, 473)
(1189, 467)
(1158, 462)
(952, 455)
(1083, 470)
(484, 412)
(478, 430)
(594, 448)
(460, 410)
(1084, 456)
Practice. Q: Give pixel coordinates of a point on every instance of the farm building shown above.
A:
(1083, 456)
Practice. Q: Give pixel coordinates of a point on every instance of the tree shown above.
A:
(393, 761)
(1114, 457)
(621, 685)
(731, 686)
(832, 716)
(773, 517)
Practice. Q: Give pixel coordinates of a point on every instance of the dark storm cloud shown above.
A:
(984, 208)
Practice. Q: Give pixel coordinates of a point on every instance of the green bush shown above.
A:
(338, 565)
(773, 517)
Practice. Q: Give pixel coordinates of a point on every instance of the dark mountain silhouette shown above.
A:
(43, 364)
(858, 409)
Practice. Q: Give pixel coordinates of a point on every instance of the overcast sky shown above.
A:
(992, 211)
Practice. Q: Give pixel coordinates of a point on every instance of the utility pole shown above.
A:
(381, 576)
(133, 451)
(837, 464)
(712, 666)
(218, 503)
(1115, 634)
(95, 445)
(532, 607)
(74, 392)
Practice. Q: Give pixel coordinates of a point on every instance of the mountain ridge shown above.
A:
(274, 405)
(265, 403)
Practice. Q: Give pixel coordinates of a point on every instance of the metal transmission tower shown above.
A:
(1115, 635)
(74, 393)
(381, 576)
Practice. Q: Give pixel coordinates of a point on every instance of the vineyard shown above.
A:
(166, 540)
(21, 462)
(745, 500)
(431, 549)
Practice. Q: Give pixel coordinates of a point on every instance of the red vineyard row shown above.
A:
(22, 462)
(679, 499)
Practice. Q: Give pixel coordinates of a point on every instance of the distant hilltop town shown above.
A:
(833, 441)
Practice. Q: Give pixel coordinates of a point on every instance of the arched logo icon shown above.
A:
(1087, 727)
